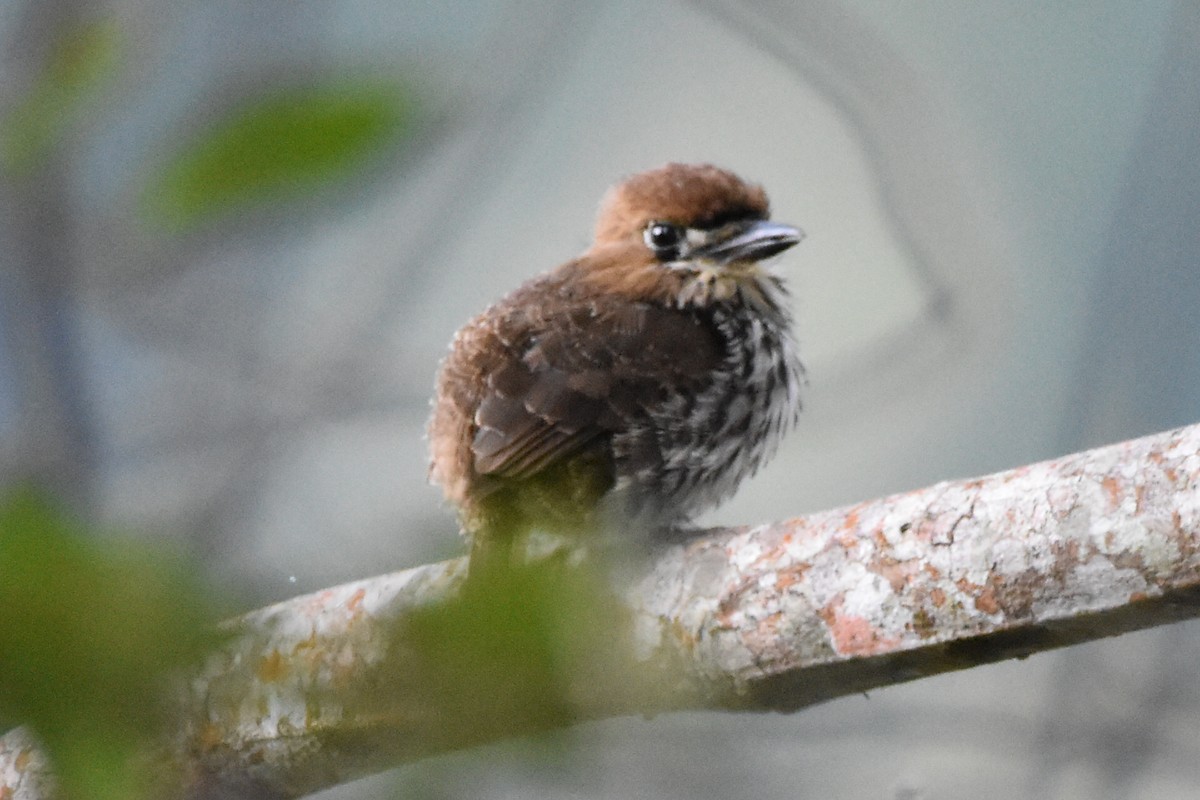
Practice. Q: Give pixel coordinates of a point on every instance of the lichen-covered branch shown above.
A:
(24, 773)
(958, 574)
(329, 686)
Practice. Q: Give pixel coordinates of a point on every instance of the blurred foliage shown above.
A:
(520, 650)
(90, 632)
(277, 146)
(78, 64)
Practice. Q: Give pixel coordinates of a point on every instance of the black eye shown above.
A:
(664, 239)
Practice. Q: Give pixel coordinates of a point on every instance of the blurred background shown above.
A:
(236, 237)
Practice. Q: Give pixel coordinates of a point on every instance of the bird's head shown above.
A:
(688, 235)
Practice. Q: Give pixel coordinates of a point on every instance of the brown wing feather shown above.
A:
(530, 385)
(585, 379)
(519, 436)
(520, 433)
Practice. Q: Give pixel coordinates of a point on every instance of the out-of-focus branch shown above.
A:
(24, 773)
(326, 687)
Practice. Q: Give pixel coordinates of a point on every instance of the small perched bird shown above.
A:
(635, 385)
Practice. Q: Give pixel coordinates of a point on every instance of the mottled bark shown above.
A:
(329, 686)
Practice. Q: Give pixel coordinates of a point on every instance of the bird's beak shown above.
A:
(750, 242)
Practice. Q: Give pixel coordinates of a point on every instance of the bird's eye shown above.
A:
(664, 239)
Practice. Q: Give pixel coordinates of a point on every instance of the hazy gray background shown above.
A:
(1001, 266)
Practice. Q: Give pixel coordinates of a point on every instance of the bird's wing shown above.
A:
(568, 380)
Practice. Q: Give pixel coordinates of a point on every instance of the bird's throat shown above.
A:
(747, 282)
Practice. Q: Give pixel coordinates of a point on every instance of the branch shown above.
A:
(327, 687)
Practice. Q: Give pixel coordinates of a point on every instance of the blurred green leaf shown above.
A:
(81, 59)
(280, 145)
(90, 632)
(517, 652)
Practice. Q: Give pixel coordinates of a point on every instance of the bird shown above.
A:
(632, 387)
